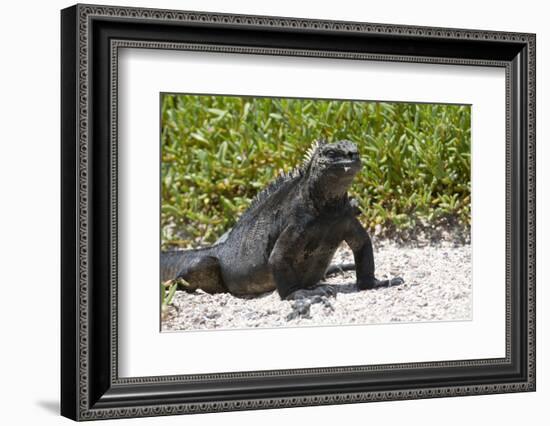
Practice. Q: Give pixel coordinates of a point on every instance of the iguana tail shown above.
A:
(338, 268)
(172, 262)
(198, 268)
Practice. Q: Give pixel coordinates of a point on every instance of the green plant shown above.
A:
(167, 291)
(219, 151)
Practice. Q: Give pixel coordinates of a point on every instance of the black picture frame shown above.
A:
(90, 386)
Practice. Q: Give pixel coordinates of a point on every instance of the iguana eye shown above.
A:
(331, 153)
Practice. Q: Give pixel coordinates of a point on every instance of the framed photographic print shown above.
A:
(263, 212)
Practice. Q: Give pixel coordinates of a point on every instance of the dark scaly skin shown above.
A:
(287, 238)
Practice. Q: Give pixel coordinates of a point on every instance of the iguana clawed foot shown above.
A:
(380, 283)
(325, 290)
(304, 298)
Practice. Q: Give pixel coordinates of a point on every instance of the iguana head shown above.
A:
(332, 166)
(339, 158)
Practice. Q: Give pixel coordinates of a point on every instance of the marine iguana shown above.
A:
(287, 237)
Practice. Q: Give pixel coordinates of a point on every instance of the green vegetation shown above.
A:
(219, 151)
(167, 292)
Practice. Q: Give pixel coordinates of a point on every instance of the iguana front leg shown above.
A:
(285, 269)
(359, 241)
(284, 266)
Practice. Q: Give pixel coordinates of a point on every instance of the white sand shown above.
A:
(438, 287)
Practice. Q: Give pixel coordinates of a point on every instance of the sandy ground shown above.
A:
(438, 287)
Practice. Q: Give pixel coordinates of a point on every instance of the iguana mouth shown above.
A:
(346, 164)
